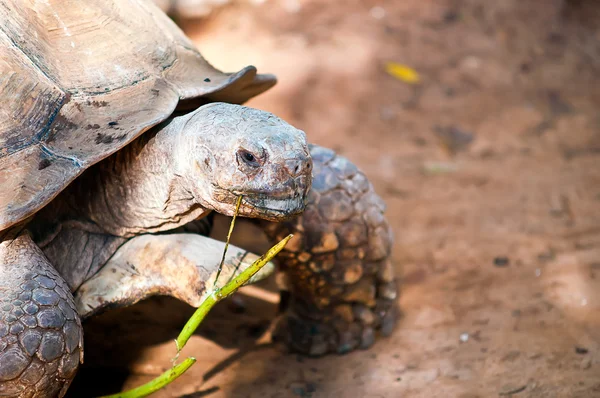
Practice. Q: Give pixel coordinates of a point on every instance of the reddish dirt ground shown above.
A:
(490, 168)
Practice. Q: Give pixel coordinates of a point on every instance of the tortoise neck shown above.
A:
(138, 189)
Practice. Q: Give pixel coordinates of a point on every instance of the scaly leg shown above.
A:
(182, 265)
(337, 267)
(41, 339)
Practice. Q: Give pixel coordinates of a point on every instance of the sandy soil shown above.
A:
(490, 167)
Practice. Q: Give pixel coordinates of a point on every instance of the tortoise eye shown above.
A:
(248, 158)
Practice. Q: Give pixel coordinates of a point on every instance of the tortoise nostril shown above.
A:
(295, 167)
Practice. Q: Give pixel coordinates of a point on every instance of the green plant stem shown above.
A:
(158, 383)
(192, 324)
(197, 318)
(237, 210)
(219, 294)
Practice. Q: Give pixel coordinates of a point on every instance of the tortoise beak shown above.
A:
(288, 200)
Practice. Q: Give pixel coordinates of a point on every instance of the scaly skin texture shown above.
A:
(337, 267)
(41, 339)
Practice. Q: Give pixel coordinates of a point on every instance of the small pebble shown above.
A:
(464, 337)
(454, 138)
(501, 261)
(471, 62)
(377, 12)
(451, 16)
(303, 389)
(586, 363)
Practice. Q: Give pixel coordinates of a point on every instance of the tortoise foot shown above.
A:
(339, 329)
(41, 340)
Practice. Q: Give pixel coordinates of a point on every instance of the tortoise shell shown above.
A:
(81, 79)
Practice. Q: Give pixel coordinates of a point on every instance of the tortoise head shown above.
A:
(232, 150)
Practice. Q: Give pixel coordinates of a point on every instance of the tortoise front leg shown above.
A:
(337, 267)
(41, 339)
(181, 265)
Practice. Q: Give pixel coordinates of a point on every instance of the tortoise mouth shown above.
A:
(275, 208)
(276, 205)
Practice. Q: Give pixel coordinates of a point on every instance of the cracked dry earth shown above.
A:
(490, 167)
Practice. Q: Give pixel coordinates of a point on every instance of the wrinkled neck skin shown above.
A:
(140, 189)
(188, 166)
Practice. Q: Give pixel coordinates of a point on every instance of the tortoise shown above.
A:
(117, 141)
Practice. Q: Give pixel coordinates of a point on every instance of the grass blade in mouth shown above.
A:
(237, 210)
